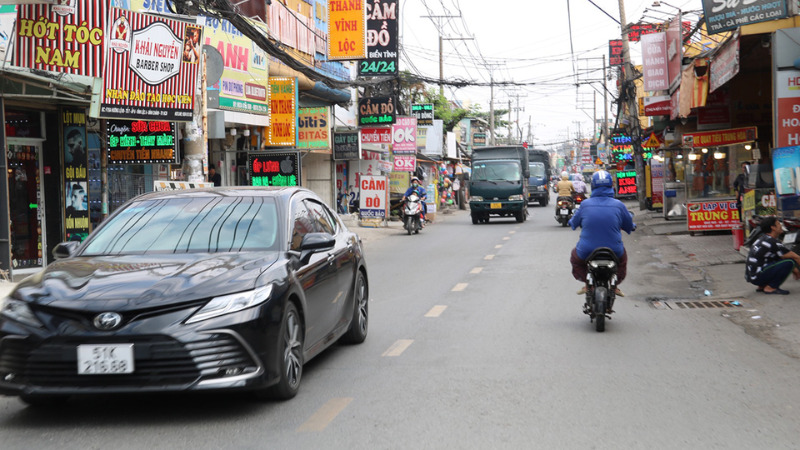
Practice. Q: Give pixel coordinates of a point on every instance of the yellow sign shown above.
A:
(652, 142)
(347, 29)
(283, 112)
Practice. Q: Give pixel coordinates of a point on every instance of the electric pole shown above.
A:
(629, 94)
(438, 24)
(491, 101)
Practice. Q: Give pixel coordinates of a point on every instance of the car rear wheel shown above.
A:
(290, 356)
(359, 324)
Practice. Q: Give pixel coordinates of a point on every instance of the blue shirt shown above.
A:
(420, 191)
(602, 219)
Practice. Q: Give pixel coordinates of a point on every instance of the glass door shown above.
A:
(26, 203)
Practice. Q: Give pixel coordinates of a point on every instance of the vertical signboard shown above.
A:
(626, 183)
(372, 197)
(423, 113)
(347, 29)
(346, 146)
(313, 128)
(654, 55)
(62, 38)
(674, 37)
(274, 169)
(381, 39)
(76, 192)
(150, 73)
(283, 112)
(615, 52)
(404, 135)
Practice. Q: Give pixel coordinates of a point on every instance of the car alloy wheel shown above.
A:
(290, 362)
(359, 324)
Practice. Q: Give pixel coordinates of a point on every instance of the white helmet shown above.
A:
(564, 175)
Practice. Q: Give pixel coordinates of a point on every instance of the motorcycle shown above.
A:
(601, 276)
(791, 228)
(412, 213)
(564, 207)
(579, 197)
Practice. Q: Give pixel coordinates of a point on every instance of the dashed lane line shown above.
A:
(488, 257)
(476, 270)
(498, 246)
(459, 287)
(325, 415)
(506, 238)
(436, 311)
(398, 347)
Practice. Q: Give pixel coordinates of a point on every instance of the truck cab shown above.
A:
(499, 183)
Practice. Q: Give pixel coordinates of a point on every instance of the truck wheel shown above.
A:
(520, 216)
(475, 220)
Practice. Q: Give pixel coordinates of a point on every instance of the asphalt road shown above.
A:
(477, 340)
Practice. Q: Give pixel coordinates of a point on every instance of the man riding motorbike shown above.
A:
(564, 188)
(421, 193)
(580, 187)
(602, 219)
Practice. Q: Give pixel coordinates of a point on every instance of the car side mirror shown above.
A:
(65, 249)
(313, 243)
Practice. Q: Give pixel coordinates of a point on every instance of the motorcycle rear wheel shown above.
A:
(600, 299)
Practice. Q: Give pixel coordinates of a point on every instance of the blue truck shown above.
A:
(539, 168)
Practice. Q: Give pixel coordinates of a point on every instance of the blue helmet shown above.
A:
(601, 178)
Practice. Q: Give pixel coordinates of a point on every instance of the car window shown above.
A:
(302, 224)
(321, 217)
(185, 225)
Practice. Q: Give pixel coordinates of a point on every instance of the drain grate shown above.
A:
(697, 304)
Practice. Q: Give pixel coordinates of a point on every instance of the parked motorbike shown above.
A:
(602, 267)
(564, 207)
(412, 213)
(791, 228)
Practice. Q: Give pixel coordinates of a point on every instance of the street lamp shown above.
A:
(657, 3)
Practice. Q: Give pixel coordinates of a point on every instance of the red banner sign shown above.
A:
(376, 135)
(720, 137)
(712, 215)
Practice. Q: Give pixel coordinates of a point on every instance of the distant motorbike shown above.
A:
(412, 213)
(579, 197)
(602, 267)
(564, 208)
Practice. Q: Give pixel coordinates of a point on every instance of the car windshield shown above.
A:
(537, 169)
(490, 171)
(188, 225)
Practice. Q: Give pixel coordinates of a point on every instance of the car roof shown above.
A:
(283, 193)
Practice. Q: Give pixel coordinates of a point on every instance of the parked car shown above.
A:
(220, 288)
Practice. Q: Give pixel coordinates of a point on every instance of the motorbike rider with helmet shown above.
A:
(564, 188)
(421, 193)
(602, 219)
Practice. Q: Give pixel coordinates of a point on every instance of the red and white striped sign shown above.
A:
(68, 40)
(152, 78)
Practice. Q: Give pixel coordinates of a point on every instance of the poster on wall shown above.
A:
(151, 70)
(274, 169)
(141, 142)
(62, 38)
(282, 130)
(76, 192)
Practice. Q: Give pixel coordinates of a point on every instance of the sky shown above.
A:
(527, 41)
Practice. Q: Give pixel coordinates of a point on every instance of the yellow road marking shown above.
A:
(488, 257)
(476, 270)
(459, 287)
(436, 311)
(398, 347)
(325, 415)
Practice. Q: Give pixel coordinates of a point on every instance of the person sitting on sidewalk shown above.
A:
(769, 262)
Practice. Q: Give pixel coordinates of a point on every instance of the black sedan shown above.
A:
(222, 288)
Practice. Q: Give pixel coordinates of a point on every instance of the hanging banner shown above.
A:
(376, 111)
(654, 56)
(674, 42)
(404, 135)
(728, 15)
(313, 128)
(381, 39)
(62, 38)
(283, 112)
(347, 29)
(274, 169)
(725, 65)
(76, 192)
(346, 146)
(150, 71)
(140, 142)
(243, 85)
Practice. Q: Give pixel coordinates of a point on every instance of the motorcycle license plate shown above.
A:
(495, 205)
(105, 359)
(790, 238)
(565, 211)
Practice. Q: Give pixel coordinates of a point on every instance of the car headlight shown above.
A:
(475, 198)
(231, 303)
(19, 311)
(515, 197)
(542, 188)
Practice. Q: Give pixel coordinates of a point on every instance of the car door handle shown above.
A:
(331, 258)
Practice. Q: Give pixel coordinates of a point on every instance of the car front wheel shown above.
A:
(359, 324)
(290, 356)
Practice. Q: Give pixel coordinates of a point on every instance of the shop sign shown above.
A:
(786, 165)
(674, 104)
(712, 215)
(720, 137)
(424, 113)
(626, 183)
(615, 52)
(346, 146)
(376, 111)
(657, 183)
(724, 65)
(62, 38)
(404, 135)
(638, 30)
(709, 117)
(376, 135)
(674, 41)
(478, 139)
(381, 39)
(657, 105)
(76, 192)
(347, 30)
(787, 114)
(282, 130)
(728, 15)
(398, 182)
(372, 197)
(159, 186)
(313, 128)
(621, 148)
(141, 142)
(149, 71)
(243, 86)
(274, 169)
(8, 17)
(654, 64)
(404, 163)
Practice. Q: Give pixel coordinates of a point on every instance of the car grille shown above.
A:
(159, 361)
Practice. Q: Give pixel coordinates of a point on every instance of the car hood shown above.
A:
(140, 281)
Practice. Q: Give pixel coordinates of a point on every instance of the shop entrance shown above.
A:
(26, 204)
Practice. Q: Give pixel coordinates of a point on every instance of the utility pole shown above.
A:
(605, 109)
(629, 93)
(509, 121)
(438, 24)
(491, 102)
(517, 109)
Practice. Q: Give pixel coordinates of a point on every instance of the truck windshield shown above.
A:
(496, 170)
(537, 170)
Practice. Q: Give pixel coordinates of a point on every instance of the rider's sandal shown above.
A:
(618, 293)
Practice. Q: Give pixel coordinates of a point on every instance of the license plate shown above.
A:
(565, 211)
(790, 238)
(495, 205)
(105, 359)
